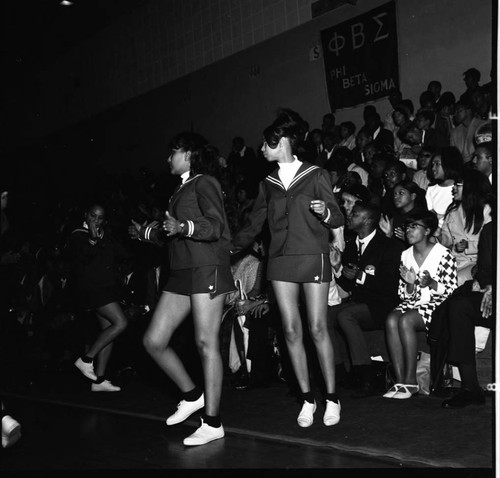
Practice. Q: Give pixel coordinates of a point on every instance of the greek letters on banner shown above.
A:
(361, 57)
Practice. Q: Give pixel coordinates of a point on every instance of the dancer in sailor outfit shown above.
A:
(298, 202)
(199, 276)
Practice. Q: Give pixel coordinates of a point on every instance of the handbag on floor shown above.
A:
(424, 373)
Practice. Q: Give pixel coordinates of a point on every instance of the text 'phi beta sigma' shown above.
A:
(361, 57)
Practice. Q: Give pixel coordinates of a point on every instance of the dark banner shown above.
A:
(361, 57)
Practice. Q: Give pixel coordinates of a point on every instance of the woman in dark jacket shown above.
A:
(298, 203)
(198, 236)
(92, 254)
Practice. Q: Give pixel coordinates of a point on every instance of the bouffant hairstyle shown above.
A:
(288, 124)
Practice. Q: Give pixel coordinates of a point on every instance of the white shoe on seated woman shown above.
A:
(401, 391)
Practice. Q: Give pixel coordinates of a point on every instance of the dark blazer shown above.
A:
(205, 239)
(294, 229)
(380, 289)
(384, 137)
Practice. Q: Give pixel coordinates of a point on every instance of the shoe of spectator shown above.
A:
(11, 431)
(105, 386)
(86, 368)
(464, 398)
(185, 409)
(394, 389)
(406, 391)
(332, 413)
(306, 418)
(204, 434)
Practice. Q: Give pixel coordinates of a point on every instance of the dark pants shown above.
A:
(463, 315)
(352, 319)
(451, 331)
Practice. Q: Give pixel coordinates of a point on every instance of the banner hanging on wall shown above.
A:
(361, 57)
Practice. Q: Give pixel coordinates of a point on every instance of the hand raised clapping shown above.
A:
(171, 225)
(408, 275)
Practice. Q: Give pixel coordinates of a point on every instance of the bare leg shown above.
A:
(409, 324)
(394, 344)
(170, 312)
(102, 359)
(113, 322)
(317, 309)
(207, 317)
(287, 295)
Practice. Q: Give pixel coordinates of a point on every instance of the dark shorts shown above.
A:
(214, 280)
(300, 268)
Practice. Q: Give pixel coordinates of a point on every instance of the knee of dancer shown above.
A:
(150, 344)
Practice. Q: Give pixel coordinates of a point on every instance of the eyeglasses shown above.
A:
(414, 225)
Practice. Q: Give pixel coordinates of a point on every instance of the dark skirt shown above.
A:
(300, 268)
(215, 280)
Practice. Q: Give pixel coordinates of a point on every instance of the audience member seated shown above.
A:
(241, 161)
(394, 173)
(427, 101)
(383, 137)
(326, 156)
(345, 155)
(424, 120)
(483, 106)
(249, 311)
(464, 220)
(402, 122)
(435, 88)
(337, 170)
(467, 123)
(452, 333)
(328, 126)
(471, 78)
(483, 159)
(363, 137)
(375, 178)
(446, 170)
(445, 109)
(395, 97)
(407, 197)
(314, 147)
(421, 175)
(428, 275)
(368, 270)
(347, 130)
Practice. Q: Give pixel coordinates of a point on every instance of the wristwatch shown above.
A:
(182, 225)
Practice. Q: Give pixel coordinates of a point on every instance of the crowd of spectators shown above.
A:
(439, 156)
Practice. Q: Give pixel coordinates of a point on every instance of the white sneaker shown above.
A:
(11, 431)
(185, 409)
(204, 434)
(86, 368)
(305, 418)
(332, 413)
(105, 386)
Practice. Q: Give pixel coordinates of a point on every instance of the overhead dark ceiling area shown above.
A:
(34, 34)
(37, 31)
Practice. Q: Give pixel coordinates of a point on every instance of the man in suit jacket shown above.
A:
(242, 161)
(368, 269)
(381, 136)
